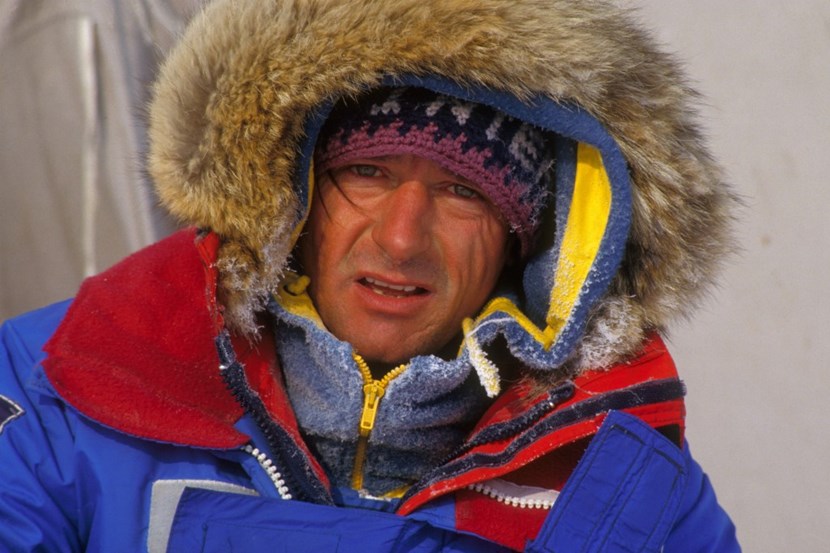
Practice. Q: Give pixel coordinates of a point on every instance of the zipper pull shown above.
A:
(372, 393)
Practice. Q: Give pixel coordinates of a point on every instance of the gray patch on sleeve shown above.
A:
(165, 500)
(9, 410)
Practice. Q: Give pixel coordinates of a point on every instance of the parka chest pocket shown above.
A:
(213, 522)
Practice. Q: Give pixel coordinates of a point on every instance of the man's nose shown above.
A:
(402, 224)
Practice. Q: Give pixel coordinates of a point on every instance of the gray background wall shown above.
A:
(74, 83)
(753, 359)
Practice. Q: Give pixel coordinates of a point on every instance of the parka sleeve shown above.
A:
(702, 525)
(39, 505)
(635, 490)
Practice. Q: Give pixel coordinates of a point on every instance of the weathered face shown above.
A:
(399, 251)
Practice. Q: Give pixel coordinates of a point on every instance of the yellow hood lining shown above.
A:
(588, 217)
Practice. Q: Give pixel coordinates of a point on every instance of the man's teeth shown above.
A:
(378, 285)
(374, 282)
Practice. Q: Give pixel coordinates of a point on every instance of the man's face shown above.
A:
(399, 251)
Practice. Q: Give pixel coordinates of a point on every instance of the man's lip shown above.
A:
(394, 284)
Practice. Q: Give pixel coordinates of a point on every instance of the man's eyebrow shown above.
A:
(369, 159)
(386, 158)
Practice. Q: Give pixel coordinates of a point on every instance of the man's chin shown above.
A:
(377, 358)
(385, 340)
(397, 353)
(389, 350)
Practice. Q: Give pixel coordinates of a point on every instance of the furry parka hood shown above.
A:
(240, 101)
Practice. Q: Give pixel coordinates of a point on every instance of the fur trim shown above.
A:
(231, 102)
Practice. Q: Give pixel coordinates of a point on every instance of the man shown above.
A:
(434, 266)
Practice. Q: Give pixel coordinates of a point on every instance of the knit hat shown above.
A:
(509, 160)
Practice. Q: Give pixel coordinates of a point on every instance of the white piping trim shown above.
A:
(515, 495)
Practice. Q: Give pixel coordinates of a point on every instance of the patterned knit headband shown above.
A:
(508, 159)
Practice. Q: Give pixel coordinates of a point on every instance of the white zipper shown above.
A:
(272, 472)
(524, 497)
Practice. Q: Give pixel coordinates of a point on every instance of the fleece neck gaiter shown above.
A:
(424, 412)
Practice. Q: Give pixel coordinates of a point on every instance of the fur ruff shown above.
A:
(231, 101)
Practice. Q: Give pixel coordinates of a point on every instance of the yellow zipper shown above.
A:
(373, 391)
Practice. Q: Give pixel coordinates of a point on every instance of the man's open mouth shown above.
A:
(393, 290)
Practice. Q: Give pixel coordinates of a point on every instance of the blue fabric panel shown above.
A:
(70, 484)
(702, 525)
(213, 521)
(623, 496)
(35, 490)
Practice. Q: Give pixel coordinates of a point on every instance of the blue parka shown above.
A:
(103, 453)
(74, 484)
(150, 414)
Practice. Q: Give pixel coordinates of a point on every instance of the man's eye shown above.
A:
(464, 191)
(365, 170)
